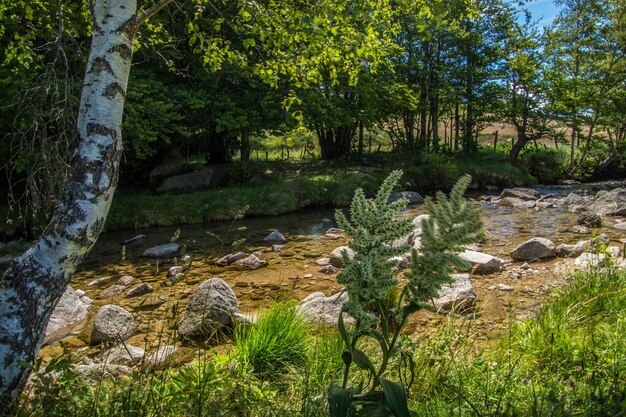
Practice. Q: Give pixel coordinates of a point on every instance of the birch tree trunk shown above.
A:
(33, 284)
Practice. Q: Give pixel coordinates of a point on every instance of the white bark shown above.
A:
(34, 283)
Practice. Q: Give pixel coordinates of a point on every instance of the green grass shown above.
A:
(279, 340)
(568, 361)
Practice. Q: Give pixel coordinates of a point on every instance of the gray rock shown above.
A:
(501, 287)
(164, 170)
(521, 193)
(230, 258)
(459, 296)
(417, 223)
(275, 237)
(577, 203)
(134, 239)
(112, 323)
(98, 370)
(161, 355)
(124, 355)
(589, 219)
(248, 263)
(68, 315)
(481, 262)
(336, 258)
(323, 261)
(318, 308)
(174, 270)
(571, 251)
(328, 270)
(278, 248)
(536, 248)
(516, 202)
(166, 250)
(611, 203)
(210, 307)
(113, 290)
(100, 281)
(334, 231)
(141, 289)
(581, 230)
(125, 280)
(590, 260)
(620, 226)
(411, 196)
(189, 181)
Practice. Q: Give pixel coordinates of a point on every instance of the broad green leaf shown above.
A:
(340, 402)
(395, 398)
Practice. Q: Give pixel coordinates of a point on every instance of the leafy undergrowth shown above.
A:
(568, 361)
(280, 187)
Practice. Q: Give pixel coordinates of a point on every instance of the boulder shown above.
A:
(590, 260)
(141, 289)
(69, 313)
(328, 270)
(620, 226)
(412, 197)
(125, 280)
(124, 355)
(336, 258)
(536, 248)
(134, 239)
(161, 355)
(323, 261)
(334, 231)
(174, 271)
(417, 224)
(458, 296)
(520, 193)
(250, 262)
(112, 290)
(611, 203)
(210, 307)
(275, 237)
(100, 281)
(318, 308)
(164, 170)
(99, 370)
(189, 181)
(589, 219)
(576, 202)
(112, 323)
(230, 258)
(482, 263)
(571, 251)
(166, 250)
(513, 202)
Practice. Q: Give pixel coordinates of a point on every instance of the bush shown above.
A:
(547, 165)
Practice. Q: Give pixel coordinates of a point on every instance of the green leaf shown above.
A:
(395, 398)
(340, 402)
(343, 331)
(362, 361)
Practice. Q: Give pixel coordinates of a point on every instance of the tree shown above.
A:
(36, 280)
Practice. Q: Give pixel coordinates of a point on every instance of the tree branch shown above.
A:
(148, 13)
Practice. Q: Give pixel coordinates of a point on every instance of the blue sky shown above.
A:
(545, 10)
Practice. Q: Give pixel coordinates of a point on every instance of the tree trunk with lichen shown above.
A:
(33, 284)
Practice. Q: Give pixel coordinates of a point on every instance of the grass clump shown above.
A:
(279, 340)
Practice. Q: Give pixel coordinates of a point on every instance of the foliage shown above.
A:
(368, 277)
(278, 340)
(547, 165)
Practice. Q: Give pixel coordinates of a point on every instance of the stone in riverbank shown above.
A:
(412, 197)
(458, 296)
(275, 237)
(112, 323)
(210, 308)
(230, 258)
(123, 354)
(611, 203)
(167, 250)
(482, 263)
(318, 308)
(141, 289)
(69, 313)
(536, 248)
(336, 258)
(249, 263)
(189, 181)
(526, 194)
